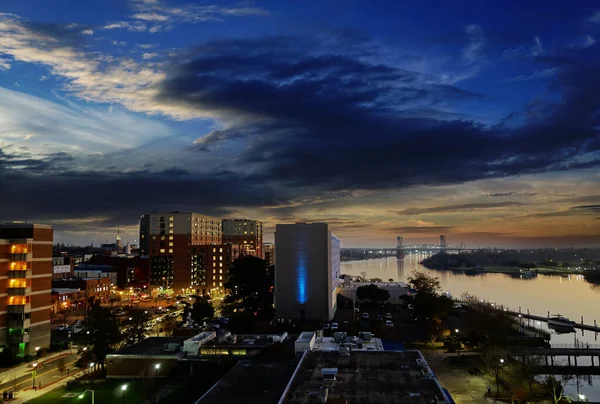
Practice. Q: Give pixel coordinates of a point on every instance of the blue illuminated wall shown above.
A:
(301, 270)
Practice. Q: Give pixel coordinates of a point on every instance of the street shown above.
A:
(45, 375)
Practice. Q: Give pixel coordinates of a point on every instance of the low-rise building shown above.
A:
(397, 290)
(363, 377)
(97, 288)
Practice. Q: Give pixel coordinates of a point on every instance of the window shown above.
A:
(153, 237)
(170, 237)
(171, 224)
(220, 278)
(171, 218)
(171, 244)
(221, 284)
(162, 250)
(214, 264)
(214, 249)
(220, 258)
(170, 231)
(220, 250)
(162, 237)
(220, 264)
(170, 251)
(220, 271)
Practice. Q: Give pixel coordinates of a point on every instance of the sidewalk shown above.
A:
(29, 394)
(24, 367)
(462, 386)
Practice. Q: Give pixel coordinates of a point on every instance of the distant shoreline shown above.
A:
(511, 270)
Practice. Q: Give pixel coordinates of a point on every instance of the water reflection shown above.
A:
(570, 296)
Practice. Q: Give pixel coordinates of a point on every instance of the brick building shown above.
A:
(25, 291)
(245, 235)
(131, 270)
(178, 260)
(97, 288)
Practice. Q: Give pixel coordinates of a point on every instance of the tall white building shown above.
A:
(307, 271)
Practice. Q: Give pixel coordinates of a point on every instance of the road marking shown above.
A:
(30, 381)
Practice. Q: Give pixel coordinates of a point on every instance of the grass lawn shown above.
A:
(106, 392)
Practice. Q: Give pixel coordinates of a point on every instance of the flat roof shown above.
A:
(305, 336)
(151, 346)
(252, 382)
(363, 377)
(242, 341)
(329, 344)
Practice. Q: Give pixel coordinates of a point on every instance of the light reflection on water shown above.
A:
(570, 296)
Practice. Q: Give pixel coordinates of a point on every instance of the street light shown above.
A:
(581, 397)
(157, 367)
(501, 361)
(456, 330)
(83, 394)
(123, 388)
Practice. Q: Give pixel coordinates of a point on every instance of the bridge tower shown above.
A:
(443, 243)
(399, 247)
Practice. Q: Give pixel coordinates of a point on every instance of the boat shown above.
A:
(560, 321)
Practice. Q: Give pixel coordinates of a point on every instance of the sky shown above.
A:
(477, 120)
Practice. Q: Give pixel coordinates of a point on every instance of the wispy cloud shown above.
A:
(466, 207)
(582, 42)
(522, 52)
(155, 16)
(537, 75)
(475, 48)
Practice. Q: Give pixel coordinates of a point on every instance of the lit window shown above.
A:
(220, 278)
(214, 249)
(220, 283)
(170, 231)
(170, 237)
(170, 250)
(162, 250)
(214, 264)
(171, 244)
(221, 258)
(214, 277)
(220, 264)
(171, 218)
(220, 271)
(220, 250)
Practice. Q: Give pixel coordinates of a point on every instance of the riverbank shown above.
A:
(530, 272)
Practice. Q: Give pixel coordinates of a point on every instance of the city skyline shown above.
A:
(476, 122)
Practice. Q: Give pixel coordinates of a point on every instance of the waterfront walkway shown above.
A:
(462, 386)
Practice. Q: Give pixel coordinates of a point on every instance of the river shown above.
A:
(568, 295)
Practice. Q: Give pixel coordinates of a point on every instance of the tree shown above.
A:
(373, 293)
(423, 283)
(136, 327)
(202, 310)
(250, 287)
(102, 333)
(555, 386)
(61, 366)
(114, 298)
(493, 357)
(169, 326)
(514, 380)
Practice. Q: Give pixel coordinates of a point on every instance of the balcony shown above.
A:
(19, 291)
(18, 338)
(17, 257)
(20, 323)
(19, 274)
(19, 308)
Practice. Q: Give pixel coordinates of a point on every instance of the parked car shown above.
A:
(356, 310)
(389, 323)
(388, 316)
(411, 307)
(334, 326)
(365, 315)
(379, 317)
(63, 327)
(326, 326)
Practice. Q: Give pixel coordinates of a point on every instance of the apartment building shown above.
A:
(175, 240)
(245, 235)
(25, 287)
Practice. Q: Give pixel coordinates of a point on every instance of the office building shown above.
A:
(180, 246)
(245, 235)
(269, 253)
(307, 270)
(26, 267)
(144, 234)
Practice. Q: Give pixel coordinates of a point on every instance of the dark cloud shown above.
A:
(457, 208)
(418, 229)
(331, 119)
(586, 208)
(572, 211)
(500, 194)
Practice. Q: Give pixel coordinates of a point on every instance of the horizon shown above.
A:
(479, 122)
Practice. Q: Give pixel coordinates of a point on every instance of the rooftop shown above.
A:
(151, 346)
(329, 344)
(383, 285)
(363, 377)
(255, 381)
